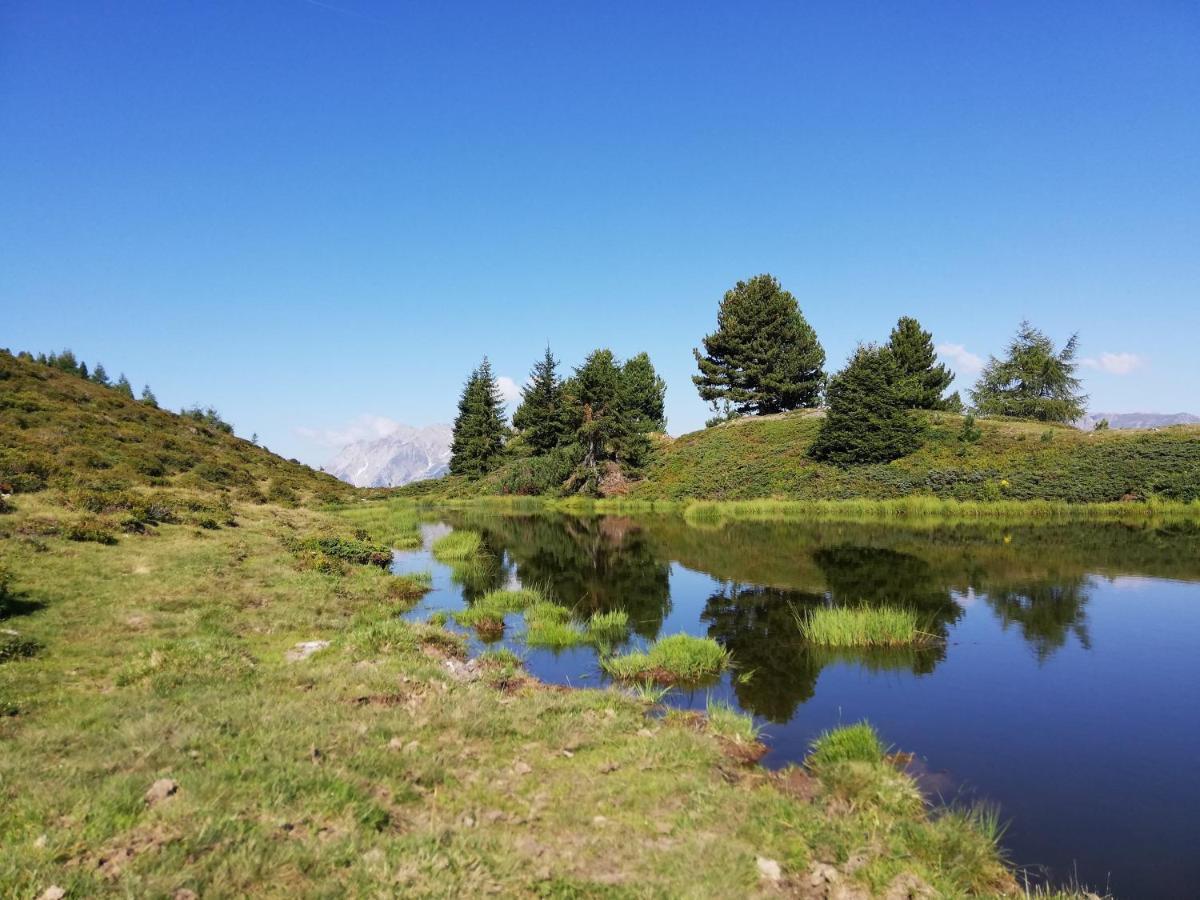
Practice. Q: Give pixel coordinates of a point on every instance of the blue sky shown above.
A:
(317, 216)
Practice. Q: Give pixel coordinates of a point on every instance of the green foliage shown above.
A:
(148, 397)
(349, 550)
(921, 380)
(677, 658)
(1101, 425)
(14, 646)
(879, 626)
(543, 474)
(867, 421)
(99, 376)
(209, 417)
(1034, 381)
(969, 433)
(642, 395)
(540, 417)
(764, 357)
(611, 626)
(727, 722)
(457, 546)
(123, 387)
(479, 429)
(850, 743)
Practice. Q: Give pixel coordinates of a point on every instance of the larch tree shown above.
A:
(764, 357)
(1033, 381)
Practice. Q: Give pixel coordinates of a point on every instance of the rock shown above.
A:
(768, 869)
(522, 768)
(161, 790)
(41, 841)
(645, 732)
(54, 892)
(185, 894)
(305, 649)
(411, 747)
(908, 887)
(396, 743)
(607, 767)
(599, 820)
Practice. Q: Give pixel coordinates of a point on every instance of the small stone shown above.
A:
(599, 820)
(396, 743)
(185, 894)
(768, 869)
(305, 649)
(568, 754)
(41, 841)
(54, 892)
(411, 747)
(645, 732)
(607, 767)
(161, 790)
(522, 768)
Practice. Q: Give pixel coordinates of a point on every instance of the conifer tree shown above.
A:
(1033, 382)
(123, 386)
(540, 416)
(593, 400)
(921, 379)
(479, 429)
(99, 376)
(867, 421)
(83, 370)
(643, 394)
(764, 357)
(148, 396)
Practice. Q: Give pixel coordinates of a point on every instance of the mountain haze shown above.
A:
(407, 454)
(1138, 420)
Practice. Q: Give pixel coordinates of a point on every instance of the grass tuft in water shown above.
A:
(457, 546)
(849, 743)
(680, 657)
(841, 626)
(486, 615)
(610, 627)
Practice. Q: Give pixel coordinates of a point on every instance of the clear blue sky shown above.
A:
(305, 212)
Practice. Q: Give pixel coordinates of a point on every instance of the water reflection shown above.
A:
(1046, 614)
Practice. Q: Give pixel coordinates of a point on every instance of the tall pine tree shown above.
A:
(540, 417)
(594, 411)
(921, 380)
(764, 357)
(867, 421)
(123, 386)
(643, 394)
(479, 429)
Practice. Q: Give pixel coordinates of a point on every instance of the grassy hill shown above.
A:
(102, 452)
(767, 457)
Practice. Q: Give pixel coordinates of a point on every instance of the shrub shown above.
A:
(457, 545)
(850, 743)
(680, 657)
(6, 581)
(13, 646)
(89, 529)
(350, 550)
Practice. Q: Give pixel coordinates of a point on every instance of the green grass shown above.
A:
(861, 626)
(554, 634)
(487, 613)
(611, 626)
(849, 743)
(458, 546)
(678, 658)
(727, 722)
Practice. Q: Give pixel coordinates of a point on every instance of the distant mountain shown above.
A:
(1137, 420)
(407, 454)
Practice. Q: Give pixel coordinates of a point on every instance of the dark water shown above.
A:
(1067, 691)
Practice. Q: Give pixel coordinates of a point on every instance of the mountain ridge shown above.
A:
(404, 455)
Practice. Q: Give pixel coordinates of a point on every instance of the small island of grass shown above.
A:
(883, 626)
(678, 658)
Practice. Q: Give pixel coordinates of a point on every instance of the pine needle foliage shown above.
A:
(1034, 381)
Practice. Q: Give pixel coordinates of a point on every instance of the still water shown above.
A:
(1067, 690)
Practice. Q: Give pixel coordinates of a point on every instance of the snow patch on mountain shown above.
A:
(403, 455)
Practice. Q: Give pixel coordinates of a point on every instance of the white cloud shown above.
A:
(1114, 363)
(964, 360)
(364, 428)
(509, 389)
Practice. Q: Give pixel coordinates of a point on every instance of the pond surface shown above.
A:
(1066, 692)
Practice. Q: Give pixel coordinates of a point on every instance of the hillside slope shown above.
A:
(767, 457)
(752, 458)
(64, 433)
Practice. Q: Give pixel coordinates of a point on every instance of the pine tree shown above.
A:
(764, 357)
(594, 411)
(123, 386)
(99, 376)
(922, 380)
(1033, 382)
(83, 370)
(479, 429)
(148, 396)
(867, 421)
(643, 394)
(539, 417)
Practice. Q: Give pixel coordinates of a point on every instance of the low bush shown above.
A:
(350, 550)
(13, 646)
(89, 529)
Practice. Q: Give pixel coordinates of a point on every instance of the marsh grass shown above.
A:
(608, 627)
(678, 658)
(864, 626)
(457, 546)
(486, 615)
(725, 721)
(849, 743)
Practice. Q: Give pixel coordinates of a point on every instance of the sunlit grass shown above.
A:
(457, 546)
(612, 626)
(727, 722)
(680, 657)
(881, 626)
(849, 743)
